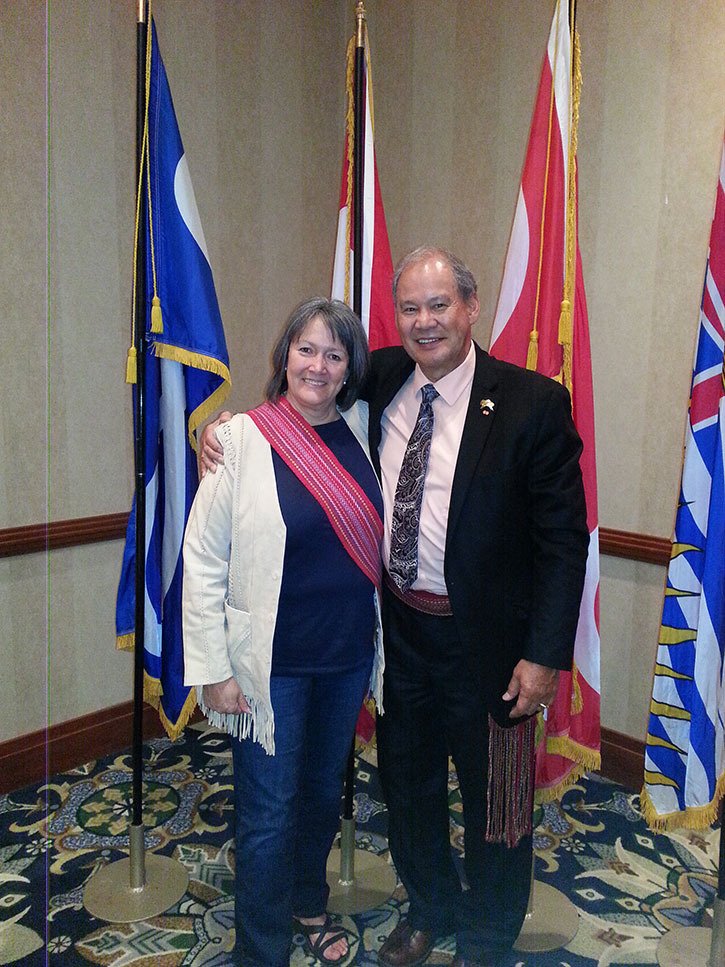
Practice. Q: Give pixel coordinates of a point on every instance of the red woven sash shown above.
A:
(348, 508)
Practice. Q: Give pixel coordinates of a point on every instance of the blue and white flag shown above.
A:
(186, 379)
(685, 750)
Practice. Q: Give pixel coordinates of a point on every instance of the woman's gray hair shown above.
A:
(343, 325)
(462, 275)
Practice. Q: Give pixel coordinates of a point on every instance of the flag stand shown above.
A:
(690, 946)
(551, 921)
(140, 886)
(358, 879)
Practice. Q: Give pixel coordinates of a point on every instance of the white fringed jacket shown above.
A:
(233, 559)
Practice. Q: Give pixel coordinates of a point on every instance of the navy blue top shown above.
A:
(326, 614)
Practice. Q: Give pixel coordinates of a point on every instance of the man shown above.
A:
(485, 551)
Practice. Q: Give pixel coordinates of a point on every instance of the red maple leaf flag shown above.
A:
(541, 323)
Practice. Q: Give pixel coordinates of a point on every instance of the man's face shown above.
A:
(433, 322)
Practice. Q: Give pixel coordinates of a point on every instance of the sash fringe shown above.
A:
(510, 794)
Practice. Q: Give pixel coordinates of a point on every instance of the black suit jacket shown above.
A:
(517, 537)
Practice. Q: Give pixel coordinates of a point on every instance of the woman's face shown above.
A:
(317, 366)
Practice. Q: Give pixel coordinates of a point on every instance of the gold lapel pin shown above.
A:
(487, 407)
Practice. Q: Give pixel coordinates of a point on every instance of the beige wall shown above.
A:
(258, 89)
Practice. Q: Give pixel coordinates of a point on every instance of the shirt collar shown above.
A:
(452, 384)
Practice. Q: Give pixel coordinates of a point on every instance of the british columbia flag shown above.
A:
(684, 777)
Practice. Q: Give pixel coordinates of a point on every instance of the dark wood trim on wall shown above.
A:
(635, 547)
(31, 758)
(35, 538)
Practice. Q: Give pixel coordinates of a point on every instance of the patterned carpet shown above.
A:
(628, 884)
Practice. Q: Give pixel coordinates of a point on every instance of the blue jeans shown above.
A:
(287, 810)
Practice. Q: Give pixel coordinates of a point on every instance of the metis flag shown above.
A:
(541, 323)
(186, 379)
(684, 770)
(378, 317)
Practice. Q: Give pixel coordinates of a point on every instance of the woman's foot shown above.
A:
(323, 939)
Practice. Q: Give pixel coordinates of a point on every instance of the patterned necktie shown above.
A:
(403, 566)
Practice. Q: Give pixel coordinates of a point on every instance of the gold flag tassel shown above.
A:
(131, 369)
(157, 322)
(350, 124)
(566, 316)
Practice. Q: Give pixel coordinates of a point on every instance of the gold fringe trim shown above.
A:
(693, 817)
(174, 730)
(589, 759)
(583, 760)
(542, 796)
(152, 692)
(125, 642)
(577, 700)
(210, 365)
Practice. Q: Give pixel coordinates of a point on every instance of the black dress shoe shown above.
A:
(406, 946)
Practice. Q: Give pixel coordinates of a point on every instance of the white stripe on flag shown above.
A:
(514, 274)
(172, 410)
(186, 203)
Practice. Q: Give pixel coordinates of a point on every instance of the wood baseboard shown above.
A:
(623, 759)
(31, 758)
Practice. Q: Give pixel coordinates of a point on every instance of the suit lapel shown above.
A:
(476, 429)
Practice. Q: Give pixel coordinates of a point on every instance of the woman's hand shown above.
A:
(225, 696)
(211, 452)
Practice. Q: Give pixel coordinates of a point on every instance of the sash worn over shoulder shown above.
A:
(348, 508)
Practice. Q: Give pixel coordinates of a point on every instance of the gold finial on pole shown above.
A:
(141, 11)
(360, 21)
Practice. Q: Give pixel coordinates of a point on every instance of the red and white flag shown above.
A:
(541, 323)
(378, 317)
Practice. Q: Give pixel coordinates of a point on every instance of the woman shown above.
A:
(281, 621)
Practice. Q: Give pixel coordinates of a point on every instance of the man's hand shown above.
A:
(533, 686)
(225, 696)
(211, 452)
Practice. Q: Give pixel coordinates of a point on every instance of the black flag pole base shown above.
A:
(136, 888)
(695, 946)
(358, 879)
(551, 921)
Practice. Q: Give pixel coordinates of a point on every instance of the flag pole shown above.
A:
(139, 887)
(375, 880)
(552, 920)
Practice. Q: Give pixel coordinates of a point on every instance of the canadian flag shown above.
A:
(378, 317)
(541, 323)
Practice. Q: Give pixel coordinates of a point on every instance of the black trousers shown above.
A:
(434, 707)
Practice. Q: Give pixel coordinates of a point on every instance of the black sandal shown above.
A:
(328, 935)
